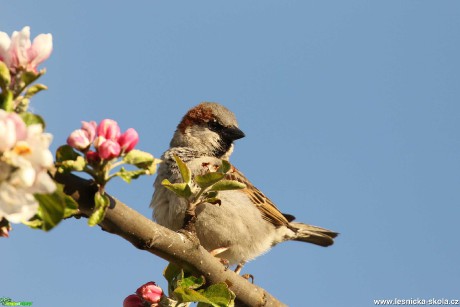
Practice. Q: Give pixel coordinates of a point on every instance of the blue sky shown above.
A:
(351, 111)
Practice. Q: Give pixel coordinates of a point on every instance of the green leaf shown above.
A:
(6, 101)
(34, 89)
(191, 282)
(52, 209)
(21, 104)
(69, 165)
(225, 185)
(5, 77)
(184, 170)
(66, 152)
(173, 274)
(225, 167)
(211, 194)
(139, 158)
(217, 295)
(220, 295)
(28, 77)
(208, 179)
(181, 189)
(129, 175)
(31, 119)
(71, 206)
(102, 202)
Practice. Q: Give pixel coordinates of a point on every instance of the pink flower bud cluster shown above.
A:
(107, 139)
(18, 52)
(148, 293)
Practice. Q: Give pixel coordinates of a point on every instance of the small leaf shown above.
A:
(184, 170)
(190, 295)
(69, 165)
(138, 157)
(173, 274)
(224, 185)
(31, 119)
(101, 202)
(51, 209)
(225, 167)
(181, 189)
(66, 152)
(219, 294)
(6, 101)
(208, 179)
(71, 206)
(129, 175)
(191, 282)
(143, 160)
(5, 77)
(211, 194)
(28, 77)
(34, 89)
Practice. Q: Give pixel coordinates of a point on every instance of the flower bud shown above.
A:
(109, 129)
(132, 301)
(109, 150)
(78, 139)
(18, 52)
(90, 129)
(150, 292)
(128, 140)
(92, 157)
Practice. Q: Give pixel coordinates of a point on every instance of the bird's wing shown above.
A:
(268, 209)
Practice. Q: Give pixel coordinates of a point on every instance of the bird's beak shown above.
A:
(233, 133)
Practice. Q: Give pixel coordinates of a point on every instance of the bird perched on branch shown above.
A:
(246, 224)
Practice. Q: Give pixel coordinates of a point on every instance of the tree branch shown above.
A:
(165, 243)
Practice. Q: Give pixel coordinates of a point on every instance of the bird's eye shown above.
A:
(214, 125)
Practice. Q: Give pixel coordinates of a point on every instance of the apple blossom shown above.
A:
(18, 52)
(24, 161)
(108, 129)
(12, 129)
(90, 129)
(150, 292)
(109, 150)
(128, 140)
(78, 139)
(133, 301)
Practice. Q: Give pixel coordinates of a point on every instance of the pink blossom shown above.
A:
(128, 140)
(109, 150)
(132, 301)
(90, 129)
(150, 292)
(109, 129)
(78, 139)
(12, 129)
(19, 53)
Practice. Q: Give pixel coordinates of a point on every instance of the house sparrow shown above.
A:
(246, 224)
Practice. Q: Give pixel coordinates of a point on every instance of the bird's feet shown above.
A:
(218, 251)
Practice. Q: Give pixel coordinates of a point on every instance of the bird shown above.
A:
(246, 223)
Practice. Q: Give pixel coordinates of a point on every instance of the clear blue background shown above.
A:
(351, 111)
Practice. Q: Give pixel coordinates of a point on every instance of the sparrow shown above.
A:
(246, 223)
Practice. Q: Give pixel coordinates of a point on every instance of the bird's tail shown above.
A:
(313, 234)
